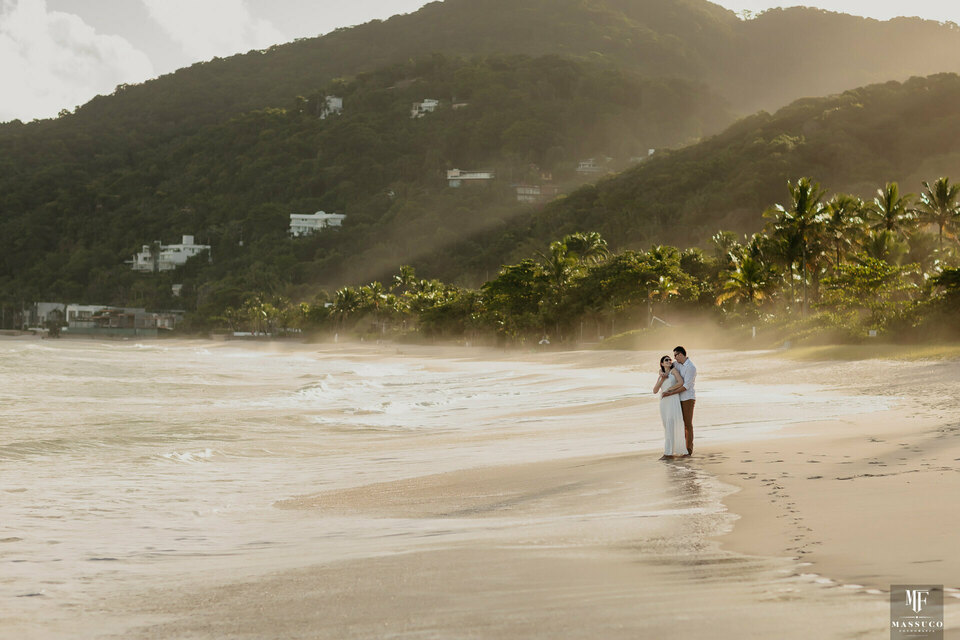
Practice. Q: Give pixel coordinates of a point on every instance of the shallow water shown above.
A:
(125, 464)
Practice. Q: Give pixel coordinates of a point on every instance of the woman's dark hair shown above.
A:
(661, 363)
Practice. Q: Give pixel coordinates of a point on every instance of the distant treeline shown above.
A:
(829, 268)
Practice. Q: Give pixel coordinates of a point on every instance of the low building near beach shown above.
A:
(105, 320)
(167, 257)
(306, 224)
(39, 315)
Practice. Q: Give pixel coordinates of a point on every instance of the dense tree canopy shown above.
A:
(76, 203)
(891, 131)
(227, 149)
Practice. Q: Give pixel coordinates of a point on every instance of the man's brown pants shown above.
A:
(686, 406)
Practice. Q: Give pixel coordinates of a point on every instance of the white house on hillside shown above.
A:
(332, 106)
(590, 166)
(457, 178)
(304, 224)
(638, 159)
(167, 257)
(420, 109)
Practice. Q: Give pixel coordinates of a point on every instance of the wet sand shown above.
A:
(789, 531)
(556, 551)
(867, 499)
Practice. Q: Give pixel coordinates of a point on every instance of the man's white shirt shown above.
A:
(689, 372)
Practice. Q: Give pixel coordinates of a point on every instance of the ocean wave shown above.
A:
(189, 457)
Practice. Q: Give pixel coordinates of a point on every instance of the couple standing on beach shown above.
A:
(676, 403)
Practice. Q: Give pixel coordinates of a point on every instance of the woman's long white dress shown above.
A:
(674, 438)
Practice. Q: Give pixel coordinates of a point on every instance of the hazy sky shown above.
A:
(57, 54)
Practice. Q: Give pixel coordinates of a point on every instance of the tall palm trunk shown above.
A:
(803, 308)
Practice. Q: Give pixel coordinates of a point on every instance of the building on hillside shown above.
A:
(167, 257)
(306, 224)
(457, 177)
(536, 193)
(420, 109)
(331, 106)
(590, 166)
(639, 159)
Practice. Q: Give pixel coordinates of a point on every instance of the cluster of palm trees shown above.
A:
(811, 237)
(808, 241)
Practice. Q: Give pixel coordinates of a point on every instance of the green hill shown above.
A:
(762, 63)
(77, 202)
(849, 142)
(226, 149)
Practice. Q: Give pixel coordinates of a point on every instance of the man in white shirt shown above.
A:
(688, 394)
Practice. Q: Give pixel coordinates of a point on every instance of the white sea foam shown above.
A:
(195, 456)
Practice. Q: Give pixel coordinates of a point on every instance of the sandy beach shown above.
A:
(782, 525)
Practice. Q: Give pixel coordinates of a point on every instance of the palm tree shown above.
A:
(938, 205)
(786, 247)
(559, 266)
(256, 310)
(725, 245)
(884, 245)
(659, 289)
(802, 217)
(759, 247)
(890, 210)
(843, 224)
(749, 282)
(586, 247)
(405, 279)
(661, 276)
(346, 301)
(374, 298)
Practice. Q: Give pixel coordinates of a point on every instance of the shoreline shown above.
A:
(803, 353)
(768, 523)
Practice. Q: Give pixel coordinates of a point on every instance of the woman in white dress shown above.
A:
(675, 442)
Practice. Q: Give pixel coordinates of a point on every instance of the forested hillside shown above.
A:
(905, 132)
(226, 150)
(78, 202)
(762, 63)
